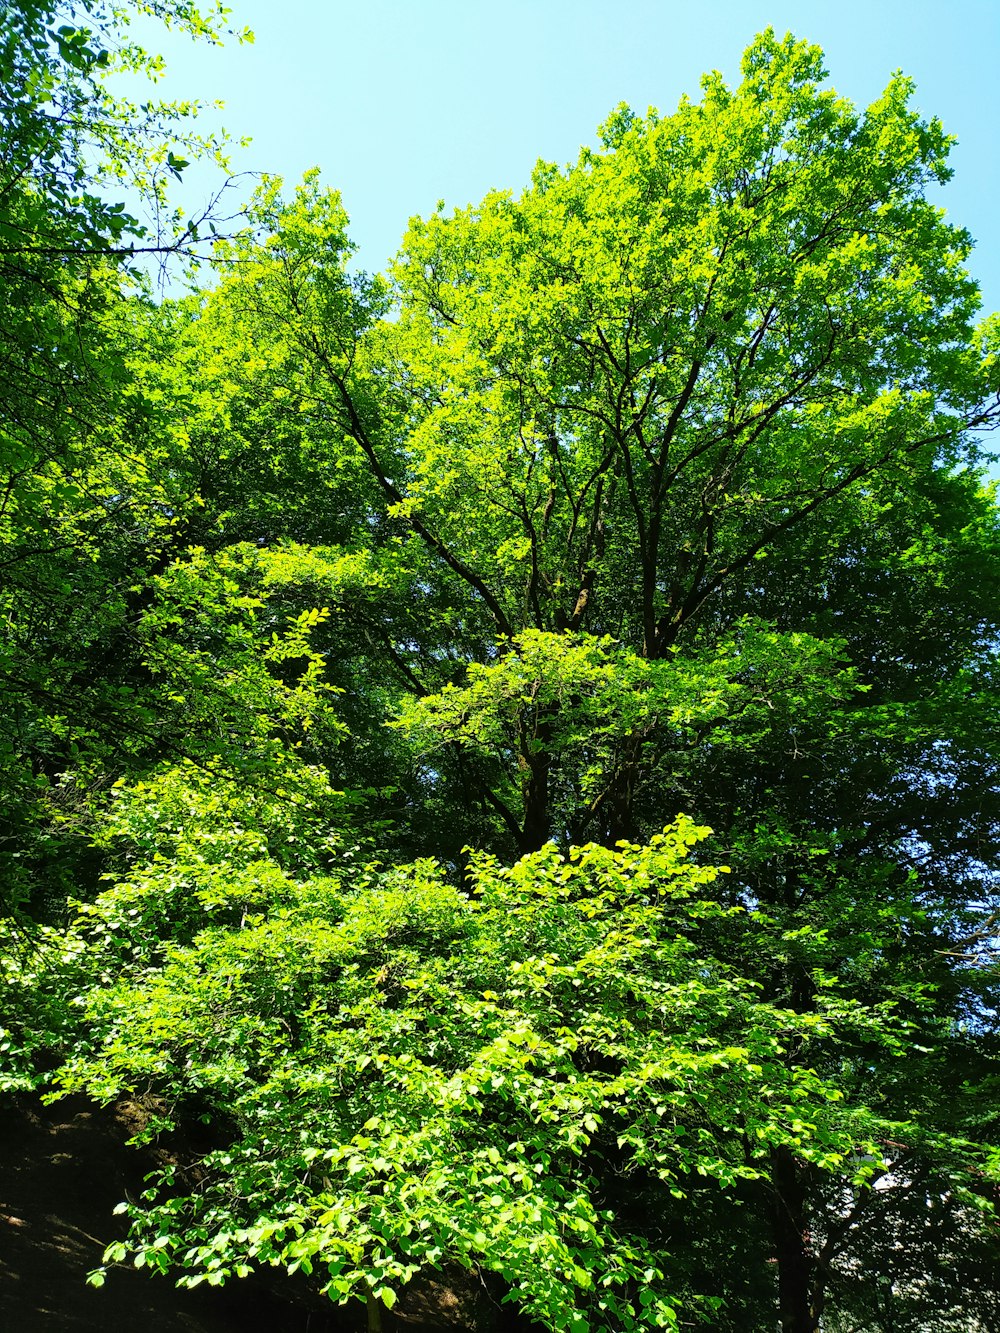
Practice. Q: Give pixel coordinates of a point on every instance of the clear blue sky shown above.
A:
(403, 102)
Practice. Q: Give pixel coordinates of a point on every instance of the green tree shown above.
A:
(91, 509)
(708, 399)
(469, 1070)
(652, 490)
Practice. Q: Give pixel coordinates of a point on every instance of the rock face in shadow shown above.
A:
(63, 1168)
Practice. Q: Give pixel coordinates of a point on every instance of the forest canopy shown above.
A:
(509, 744)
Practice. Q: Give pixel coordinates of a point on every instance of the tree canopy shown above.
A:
(393, 661)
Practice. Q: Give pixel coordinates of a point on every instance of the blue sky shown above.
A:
(404, 102)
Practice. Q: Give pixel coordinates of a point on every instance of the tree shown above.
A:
(465, 1066)
(653, 490)
(628, 404)
(88, 511)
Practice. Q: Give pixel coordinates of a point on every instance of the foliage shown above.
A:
(462, 1068)
(87, 505)
(363, 633)
(571, 713)
(68, 136)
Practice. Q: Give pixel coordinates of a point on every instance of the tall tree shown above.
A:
(651, 490)
(712, 392)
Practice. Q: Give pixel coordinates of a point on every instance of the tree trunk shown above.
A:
(373, 1311)
(537, 827)
(536, 762)
(798, 1310)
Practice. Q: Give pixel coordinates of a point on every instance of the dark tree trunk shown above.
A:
(536, 766)
(537, 827)
(797, 1307)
